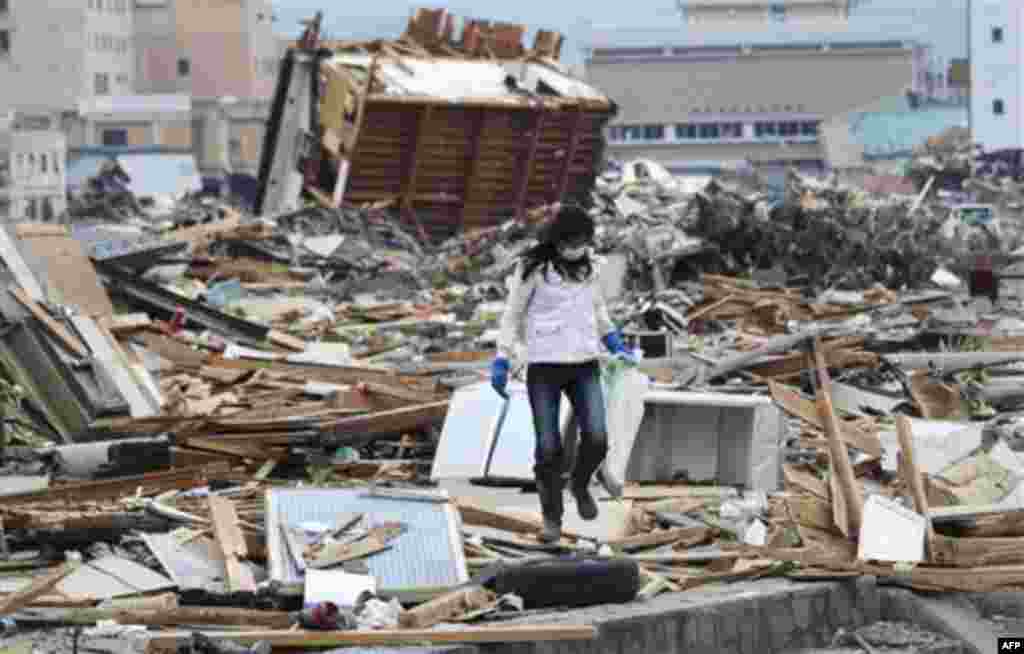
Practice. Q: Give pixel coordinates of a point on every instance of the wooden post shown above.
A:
(232, 543)
(473, 170)
(523, 181)
(847, 503)
(409, 187)
(39, 587)
(346, 162)
(912, 476)
(574, 140)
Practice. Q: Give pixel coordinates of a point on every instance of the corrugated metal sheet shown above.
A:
(425, 560)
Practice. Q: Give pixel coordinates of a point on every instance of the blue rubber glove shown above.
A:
(613, 341)
(499, 376)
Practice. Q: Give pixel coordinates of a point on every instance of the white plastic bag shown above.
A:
(625, 390)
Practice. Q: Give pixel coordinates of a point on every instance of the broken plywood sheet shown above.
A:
(190, 565)
(937, 444)
(14, 261)
(67, 273)
(110, 577)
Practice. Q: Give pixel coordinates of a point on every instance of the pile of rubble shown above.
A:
(277, 431)
(262, 422)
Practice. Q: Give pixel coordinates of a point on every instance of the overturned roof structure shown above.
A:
(456, 135)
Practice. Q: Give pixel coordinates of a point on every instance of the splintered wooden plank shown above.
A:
(792, 403)
(66, 338)
(229, 537)
(847, 501)
(37, 588)
(910, 472)
(394, 421)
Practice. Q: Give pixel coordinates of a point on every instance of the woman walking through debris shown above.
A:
(555, 301)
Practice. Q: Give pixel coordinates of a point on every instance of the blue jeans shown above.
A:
(581, 382)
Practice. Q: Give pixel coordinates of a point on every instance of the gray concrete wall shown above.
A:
(826, 83)
(46, 64)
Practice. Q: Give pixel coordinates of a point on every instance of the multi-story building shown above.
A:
(733, 14)
(997, 73)
(55, 53)
(32, 172)
(206, 48)
(758, 101)
(746, 80)
(131, 120)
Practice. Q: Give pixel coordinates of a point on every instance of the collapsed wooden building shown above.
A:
(460, 134)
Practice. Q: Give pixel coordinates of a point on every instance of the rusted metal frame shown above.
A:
(409, 186)
(574, 140)
(473, 172)
(346, 163)
(523, 178)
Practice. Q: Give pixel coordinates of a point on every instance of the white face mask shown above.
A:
(573, 254)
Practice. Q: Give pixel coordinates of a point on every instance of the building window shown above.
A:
(5, 42)
(777, 12)
(5, 6)
(709, 131)
(998, 107)
(99, 5)
(101, 84)
(30, 209)
(809, 128)
(765, 129)
(789, 128)
(732, 130)
(653, 132)
(235, 148)
(115, 137)
(184, 68)
(997, 35)
(44, 165)
(686, 132)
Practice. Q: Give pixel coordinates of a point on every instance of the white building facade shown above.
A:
(32, 174)
(57, 52)
(997, 73)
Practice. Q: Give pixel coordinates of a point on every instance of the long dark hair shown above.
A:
(571, 223)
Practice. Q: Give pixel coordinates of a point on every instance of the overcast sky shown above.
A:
(939, 22)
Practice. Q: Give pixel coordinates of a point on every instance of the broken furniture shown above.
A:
(456, 142)
(734, 439)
